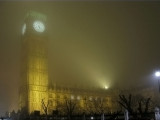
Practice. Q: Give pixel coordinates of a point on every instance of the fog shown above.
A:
(91, 44)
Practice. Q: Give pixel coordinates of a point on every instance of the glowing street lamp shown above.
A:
(157, 74)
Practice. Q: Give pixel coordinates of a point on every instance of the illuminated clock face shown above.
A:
(38, 26)
(24, 29)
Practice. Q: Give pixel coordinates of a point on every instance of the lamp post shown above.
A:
(157, 74)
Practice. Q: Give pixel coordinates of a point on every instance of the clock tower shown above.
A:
(34, 63)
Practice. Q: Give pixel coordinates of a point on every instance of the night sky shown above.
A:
(91, 44)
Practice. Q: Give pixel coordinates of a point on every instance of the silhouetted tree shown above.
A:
(100, 105)
(144, 105)
(68, 107)
(136, 104)
(127, 102)
(13, 115)
(45, 107)
(7, 114)
(88, 106)
(23, 114)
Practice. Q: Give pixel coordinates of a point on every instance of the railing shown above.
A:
(114, 116)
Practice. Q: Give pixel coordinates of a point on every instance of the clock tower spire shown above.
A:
(34, 63)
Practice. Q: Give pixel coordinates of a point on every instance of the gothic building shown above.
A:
(35, 91)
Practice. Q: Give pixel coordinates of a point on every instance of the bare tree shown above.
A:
(144, 106)
(45, 107)
(88, 106)
(100, 106)
(23, 113)
(13, 115)
(127, 102)
(136, 104)
(68, 107)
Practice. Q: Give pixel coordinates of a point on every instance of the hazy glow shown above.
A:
(90, 98)
(106, 87)
(98, 77)
(72, 97)
(157, 73)
(78, 98)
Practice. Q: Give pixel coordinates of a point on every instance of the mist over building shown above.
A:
(35, 89)
(92, 45)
